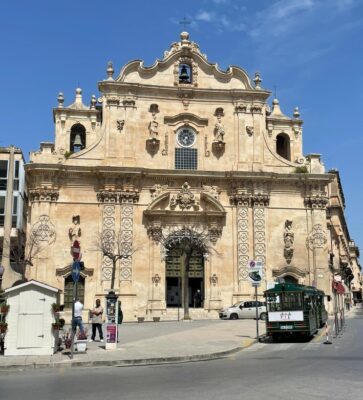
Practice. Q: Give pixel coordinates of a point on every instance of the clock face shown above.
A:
(186, 137)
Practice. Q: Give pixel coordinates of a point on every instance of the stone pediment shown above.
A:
(185, 201)
(186, 118)
(185, 51)
(289, 270)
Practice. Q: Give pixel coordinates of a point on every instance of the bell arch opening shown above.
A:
(78, 138)
(283, 146)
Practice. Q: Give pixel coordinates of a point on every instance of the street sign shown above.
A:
(76, 269)
(255, 272)
(76, 250)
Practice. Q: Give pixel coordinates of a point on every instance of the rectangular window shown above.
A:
(3, 174)
(16, 175)
(15, 212)
(2, 210)
(186, 158)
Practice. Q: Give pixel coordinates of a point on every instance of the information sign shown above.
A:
(76, 269)
(255, 272)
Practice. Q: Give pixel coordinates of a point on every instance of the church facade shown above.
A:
(178, 144)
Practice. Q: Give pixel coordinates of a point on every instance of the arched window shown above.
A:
(68, 290)
(78, 138)
(185, 73)
(283, 146)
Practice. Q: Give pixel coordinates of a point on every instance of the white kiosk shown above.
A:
(30, 319)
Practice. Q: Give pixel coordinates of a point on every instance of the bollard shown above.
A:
(327, 328)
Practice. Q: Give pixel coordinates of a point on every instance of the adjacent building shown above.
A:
(180, 143)
(12, 210)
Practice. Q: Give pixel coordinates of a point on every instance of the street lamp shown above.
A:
(2, 270)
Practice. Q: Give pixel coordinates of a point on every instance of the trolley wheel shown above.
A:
(233, 316)
(263, 316)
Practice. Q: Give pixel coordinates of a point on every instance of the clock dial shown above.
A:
(186, 137)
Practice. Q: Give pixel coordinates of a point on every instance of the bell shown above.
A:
(77, 140)
(184, 76)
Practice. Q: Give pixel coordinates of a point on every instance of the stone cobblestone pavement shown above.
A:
(153, 343)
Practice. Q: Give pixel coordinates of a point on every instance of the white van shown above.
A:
(244, 309)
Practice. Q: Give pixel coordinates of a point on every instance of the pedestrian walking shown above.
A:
(97, 313)
(77, 318)
(120, 317)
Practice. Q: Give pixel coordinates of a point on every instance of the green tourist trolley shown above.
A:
(294, 309)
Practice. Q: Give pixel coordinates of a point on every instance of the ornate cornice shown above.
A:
(319, 201)
(260, 199)
(129, 196)
(107, 196)
(44, 194)
(118, 196)
(240, 199)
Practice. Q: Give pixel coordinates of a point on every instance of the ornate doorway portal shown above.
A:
(175, 271)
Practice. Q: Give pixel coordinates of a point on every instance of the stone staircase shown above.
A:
(171, 314)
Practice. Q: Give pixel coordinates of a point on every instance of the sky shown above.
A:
(309, 52)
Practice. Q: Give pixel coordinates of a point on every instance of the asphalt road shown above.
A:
(274, 371)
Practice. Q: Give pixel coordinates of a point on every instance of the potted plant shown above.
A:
(56, 326)
(55, 307)
(67, 340)
(4, 308)
(81, 342)
(3, 327)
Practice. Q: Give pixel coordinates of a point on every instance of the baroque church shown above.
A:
(178, 143)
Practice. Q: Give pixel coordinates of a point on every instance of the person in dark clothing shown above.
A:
(120, 317)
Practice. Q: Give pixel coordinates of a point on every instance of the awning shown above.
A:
(338, 287)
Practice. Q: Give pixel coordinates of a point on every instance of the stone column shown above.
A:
(156, 302)
(242, 203)
(128, 198)
(317, 240)
(259, 203)
(108, 199)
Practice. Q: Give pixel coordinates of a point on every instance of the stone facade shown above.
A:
(180, 143)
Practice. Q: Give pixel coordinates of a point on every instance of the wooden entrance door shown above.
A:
(174, 273)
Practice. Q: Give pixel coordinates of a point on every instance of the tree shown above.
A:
(189, 239)
(114, 248)
(25, 249)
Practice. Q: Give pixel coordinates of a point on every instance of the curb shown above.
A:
(128, 363)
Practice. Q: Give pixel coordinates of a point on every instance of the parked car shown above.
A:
(244, 309)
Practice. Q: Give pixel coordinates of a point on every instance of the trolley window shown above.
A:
(284, 301)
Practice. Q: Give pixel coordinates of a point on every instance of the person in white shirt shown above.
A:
(97, 321)
(77, 320)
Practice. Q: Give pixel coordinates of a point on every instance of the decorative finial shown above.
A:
(185, 22)
(110, 71)
(296, 113)
(79, 95)
(60, 100)
(257, 80)
(93, 102)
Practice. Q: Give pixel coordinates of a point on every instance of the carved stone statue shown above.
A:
(75, 232)
(153, 128)
(219, 130)
(289, 241)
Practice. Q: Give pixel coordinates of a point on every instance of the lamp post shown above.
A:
(2, 270)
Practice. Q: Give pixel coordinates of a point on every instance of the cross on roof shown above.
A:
(184, 22)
